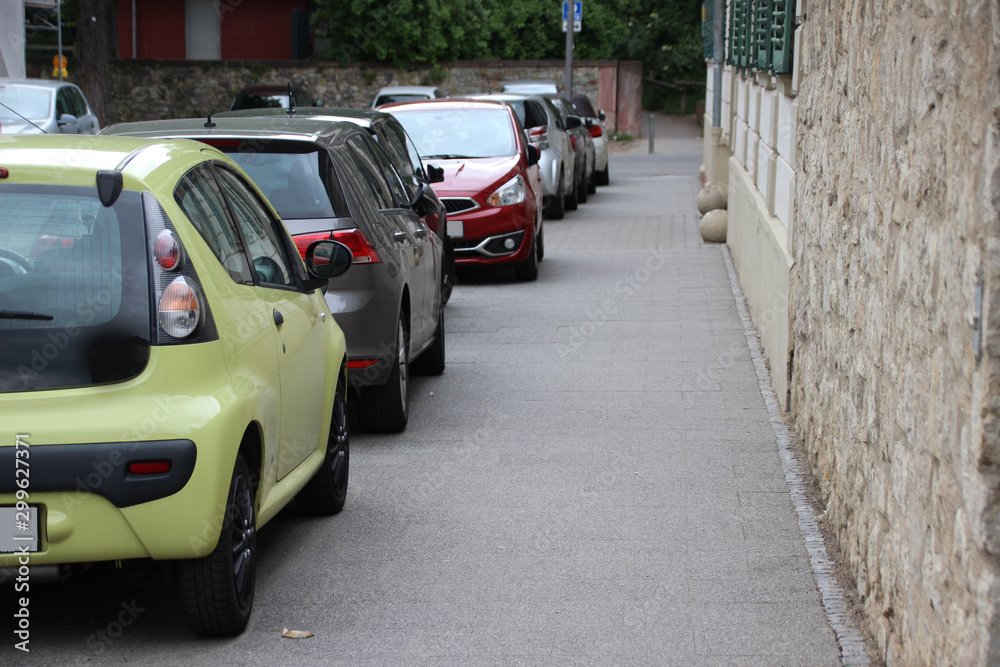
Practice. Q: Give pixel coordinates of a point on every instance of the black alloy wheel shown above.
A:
(386, 408)
(218, 590)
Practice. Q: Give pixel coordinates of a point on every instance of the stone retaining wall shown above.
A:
(897, 227)
(153, 89)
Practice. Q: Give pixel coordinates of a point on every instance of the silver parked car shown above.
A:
(599, 132)
(547, 130)
(331, 180)
(530, 87)
(392, 94)
(39, 106)
(583, 144)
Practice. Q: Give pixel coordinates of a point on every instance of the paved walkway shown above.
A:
(595, 480)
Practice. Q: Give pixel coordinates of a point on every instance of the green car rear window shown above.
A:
(74, 292)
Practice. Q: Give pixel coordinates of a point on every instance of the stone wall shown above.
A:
(154, 89)
(897, 226)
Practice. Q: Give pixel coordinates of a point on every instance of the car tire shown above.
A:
(541, 242)
(570, 202)
(217, 590)
(603, 177)
(581, 190)
(432, 360)
(326, 492)
(528, 269)
(592, 183)
(386, 409)
(556, 209)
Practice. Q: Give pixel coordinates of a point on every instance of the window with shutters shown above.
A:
(739, 52)
(760, 35)
(782, 33)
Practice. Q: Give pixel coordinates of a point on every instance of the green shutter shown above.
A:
(732, 47)
(762, 34)
(739, 46)
(782, 35)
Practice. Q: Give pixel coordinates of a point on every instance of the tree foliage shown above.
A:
(402, 31)
(664, 34)
(667, 37)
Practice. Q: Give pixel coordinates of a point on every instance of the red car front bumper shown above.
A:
(489, 231)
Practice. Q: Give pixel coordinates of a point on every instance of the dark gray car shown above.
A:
(330, 179)
(402, 153)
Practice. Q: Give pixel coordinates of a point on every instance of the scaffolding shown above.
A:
(39, 15)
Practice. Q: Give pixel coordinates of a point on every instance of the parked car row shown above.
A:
(330, 179)
(501, 177)
(197, 301)
(200, 300)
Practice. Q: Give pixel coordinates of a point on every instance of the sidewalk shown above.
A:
(619, 494)
(672, 135)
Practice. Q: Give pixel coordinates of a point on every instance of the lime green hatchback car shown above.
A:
(170, 374)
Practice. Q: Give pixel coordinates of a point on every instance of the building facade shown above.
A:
(214, 29)
(864, 224)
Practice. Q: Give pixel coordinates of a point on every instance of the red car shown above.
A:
(491, 188)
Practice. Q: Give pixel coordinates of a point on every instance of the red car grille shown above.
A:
(459, 204)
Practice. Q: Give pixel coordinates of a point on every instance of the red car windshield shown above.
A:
(459, 133)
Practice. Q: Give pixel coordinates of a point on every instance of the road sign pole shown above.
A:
(569, 51)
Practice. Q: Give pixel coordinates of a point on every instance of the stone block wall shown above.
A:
(155, 89)
(895, 390)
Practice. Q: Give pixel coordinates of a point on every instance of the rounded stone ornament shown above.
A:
(713, 226)
(712, 197)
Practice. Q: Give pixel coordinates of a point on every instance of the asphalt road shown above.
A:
(593, 481)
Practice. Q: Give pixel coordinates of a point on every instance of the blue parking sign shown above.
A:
(577, 10)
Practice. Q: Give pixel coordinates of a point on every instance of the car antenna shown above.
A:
(209, 123)
(21, 117)
(291, 102)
